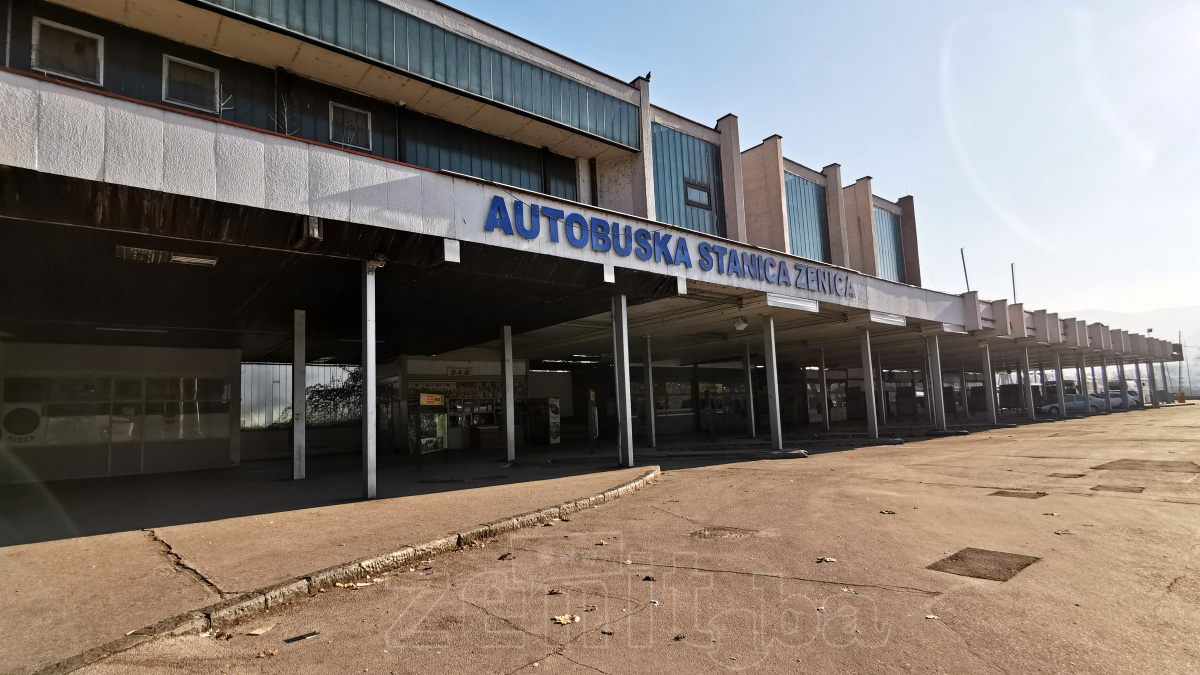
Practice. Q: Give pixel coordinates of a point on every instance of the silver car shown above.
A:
(1076, 403)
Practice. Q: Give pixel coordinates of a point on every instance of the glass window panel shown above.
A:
(66, 52)
(127, 390)
(126, 422)
(191, 85)
(349, 126)
(77, 423)
(26, 389)
(80, 389)
(156, 389)
(213, 390)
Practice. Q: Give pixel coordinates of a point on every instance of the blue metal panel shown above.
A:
(379, 32)
(681, 160)
(807, 218)
(889, 247)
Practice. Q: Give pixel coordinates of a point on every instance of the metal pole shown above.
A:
(648, 376)
(962, 253)
(989, 381)
(510, 398)
(883, 408)
(1058, 383)
(824, 392)
(1153, 384)
(620, 331)
(748, 371)
(1028, 388)
(772, 374)
(936, 395)
(299, 402)
(869, 384)
(1081, 373)
(369, 430)
(1137, 378)
(1124, 383)
(1104, 382)
(962, 378)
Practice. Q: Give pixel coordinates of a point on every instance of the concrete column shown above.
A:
(933, 354)
(1153, 384)
(882, 392)
(962, 381)
(643, 174)
(369, 412)
(748, 372)
(766, 198)
(648, 381)
(299, 402)
(927, 385)
(869, 384)
(620, 331)
(908, 241)
(1124, 382)
(1083, 385)
(1137, 378)
(731, 178)
(835, 208)
(1027, 388)
(1104, 384)
(860, 226)
(1166, 378)
(1058, 383)
(824, 392)
(510, 393)
(772, 373)
(989, 382)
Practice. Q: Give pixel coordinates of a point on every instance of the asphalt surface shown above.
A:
(715, 568)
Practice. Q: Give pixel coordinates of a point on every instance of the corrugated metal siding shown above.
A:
(807, 218)
(889, 249)
(436, 144)
(680, 158)
(378, 31)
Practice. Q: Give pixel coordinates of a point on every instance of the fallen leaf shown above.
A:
(224, 635)
(821, 609)
(823, 559)
(547, 524)
(554, 591)
(602, 543)
(506, 556)
(566, 619)
(647, 578)
(887, 512)
(266, 653)
(679, 637)
(932, 616)
(1049, 514)
(606, 632)
(654, 603)
(626, 562)
(263, 629)
(565, 520)
(1062, 532)
(589, 608)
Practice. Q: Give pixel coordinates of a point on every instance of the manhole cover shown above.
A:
(718, 532)
(1019, 494)
(1066, 475)
(984, 564)
(1181, 466)
(1118, 488)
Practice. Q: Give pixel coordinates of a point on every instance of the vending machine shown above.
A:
(545, 424)
(427, 424)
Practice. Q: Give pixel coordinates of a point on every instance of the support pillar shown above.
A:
(370, 428)
(620, 331)
(772, 373)
(912, 376)
(1137, 378)
(1027, 385)
(883, 407)
(1083, 386)
(748, 371)
(648, 380)
(1124, 382)
(962, 379)
(927, 384)
(510, 397)
(1166, 378)
(299, 402)
(933, 355)
(869, 384)
(824, 393)
(1104, 383)
(1153, 384)
(989, 382)
(1058, 385)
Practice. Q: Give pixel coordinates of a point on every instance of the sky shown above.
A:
(1058, 136)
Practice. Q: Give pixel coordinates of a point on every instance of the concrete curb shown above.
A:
(235, 609)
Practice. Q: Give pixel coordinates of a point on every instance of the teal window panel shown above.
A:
(807, 218)
(889, 245)
(377, 31)
(683, 164)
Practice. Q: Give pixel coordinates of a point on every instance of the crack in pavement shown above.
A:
(883, 587)
(180, 565)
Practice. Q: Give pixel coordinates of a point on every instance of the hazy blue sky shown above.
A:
(1062, 136)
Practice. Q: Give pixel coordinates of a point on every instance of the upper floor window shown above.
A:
(191, 85)
(68, 52)
(694, 195)
(349, 126)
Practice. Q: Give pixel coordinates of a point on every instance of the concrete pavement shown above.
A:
(716, 568)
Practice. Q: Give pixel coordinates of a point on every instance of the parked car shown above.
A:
(1075, 404)
(1115, 397)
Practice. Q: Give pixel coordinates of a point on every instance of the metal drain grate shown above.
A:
(1118, 488)
(1067, 475)
(719, 532)
(1019, 494)
(1179, 466)
(981, 563)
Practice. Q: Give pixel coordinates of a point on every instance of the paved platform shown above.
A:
(813, 565)
(65, 594)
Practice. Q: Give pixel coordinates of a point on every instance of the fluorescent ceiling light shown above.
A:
(114, 329)
(202, 260)
(888, 318)
(787, 302)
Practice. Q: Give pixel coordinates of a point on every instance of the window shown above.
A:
(694, 195)
(69, 52)
(349, 126)
(190, 84)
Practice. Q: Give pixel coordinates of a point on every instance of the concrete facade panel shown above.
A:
(241, 167)
(71, 133)
(286, 184)
(133, 146)
(18, 125)
(190, 157)
(328, 183)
